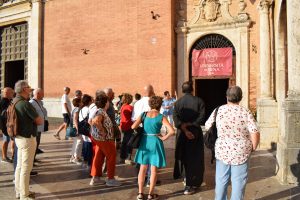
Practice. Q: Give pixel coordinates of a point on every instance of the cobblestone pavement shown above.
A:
(60, 179)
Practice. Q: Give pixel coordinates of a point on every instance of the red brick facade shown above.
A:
(127, 48)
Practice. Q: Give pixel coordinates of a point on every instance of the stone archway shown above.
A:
(239, 37)
(214, 21)
(212, 89)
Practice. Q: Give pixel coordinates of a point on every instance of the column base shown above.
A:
(267, 118)
(288, 148)
(288, 169)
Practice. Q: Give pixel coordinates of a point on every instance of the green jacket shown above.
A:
(26, 114)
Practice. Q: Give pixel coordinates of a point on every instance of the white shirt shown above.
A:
(139, 107)
(82, 114)
(92, 111)
(65, 99)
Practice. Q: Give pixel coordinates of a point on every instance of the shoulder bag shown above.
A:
(211, 136)
(135, 139)
(84, 126)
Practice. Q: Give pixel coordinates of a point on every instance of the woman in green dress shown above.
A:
(151, 151)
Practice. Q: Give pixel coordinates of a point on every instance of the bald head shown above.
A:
(149, 90)
(38, 93)
(110, 93)
(8, 93)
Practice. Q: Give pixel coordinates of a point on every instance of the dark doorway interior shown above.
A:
(14, 71)
(213, 93)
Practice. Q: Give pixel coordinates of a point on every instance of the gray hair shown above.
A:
(99, 92)
(20, 85)
(78, 92)
(107, 90)
(234, 94)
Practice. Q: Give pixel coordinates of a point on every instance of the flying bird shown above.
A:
(155, 16)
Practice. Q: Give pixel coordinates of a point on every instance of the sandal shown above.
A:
(56, 136)
(152, 197)
(140, 196)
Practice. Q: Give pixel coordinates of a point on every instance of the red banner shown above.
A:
(212, 62)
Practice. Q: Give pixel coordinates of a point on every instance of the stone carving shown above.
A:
(242, 15)
(5, 1)
(264, 5)
(181, 13)
(208, 12)
(210, 9)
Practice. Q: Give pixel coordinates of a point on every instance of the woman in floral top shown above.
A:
(238, 136)
(103, 137)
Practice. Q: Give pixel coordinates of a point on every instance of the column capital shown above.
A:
(264, 6)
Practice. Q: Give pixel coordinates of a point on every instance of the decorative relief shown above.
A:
(208, 12)
(5, 1)
(10, 2)
(181, 11)
(264, 6)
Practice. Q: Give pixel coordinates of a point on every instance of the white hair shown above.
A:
(20, 85)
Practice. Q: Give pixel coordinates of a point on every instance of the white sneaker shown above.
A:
(96, 180)
(128, 162)
(77, 161)
(112, 183)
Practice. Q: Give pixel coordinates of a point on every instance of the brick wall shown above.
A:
(127, 48)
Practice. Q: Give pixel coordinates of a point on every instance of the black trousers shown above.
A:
(193, 161)
(125, 149)
(38, 141)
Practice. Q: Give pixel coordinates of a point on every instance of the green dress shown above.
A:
(151, 150)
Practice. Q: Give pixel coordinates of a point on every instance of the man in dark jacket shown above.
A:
(7, 96)
(189, 113)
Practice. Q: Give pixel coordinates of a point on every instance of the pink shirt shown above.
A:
(235, 124)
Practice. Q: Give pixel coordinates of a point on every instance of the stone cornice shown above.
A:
(213, 26)
(11, 3)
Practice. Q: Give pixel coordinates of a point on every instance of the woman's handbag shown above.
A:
(46, 125)
(211, 136)
(71, 131)
(83, 126)
(135, 139)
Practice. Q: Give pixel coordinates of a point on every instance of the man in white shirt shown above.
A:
(142, 105)
(66, 111)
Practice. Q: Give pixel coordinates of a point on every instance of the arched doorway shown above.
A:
(212, 89)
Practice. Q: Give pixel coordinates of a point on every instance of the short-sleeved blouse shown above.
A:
(234, 124)
(107, 124)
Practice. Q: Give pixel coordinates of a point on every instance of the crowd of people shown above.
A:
(100, 127)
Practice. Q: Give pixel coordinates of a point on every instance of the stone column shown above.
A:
(182, 58)
(265, 50)
(266, 105)
(35, 44)
(288, 151)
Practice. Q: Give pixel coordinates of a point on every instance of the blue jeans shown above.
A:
(239, 177)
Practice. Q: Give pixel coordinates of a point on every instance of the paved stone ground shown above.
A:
(60, 179)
